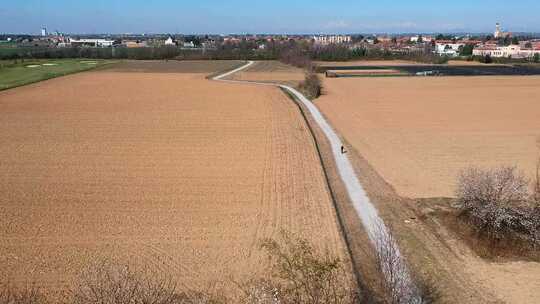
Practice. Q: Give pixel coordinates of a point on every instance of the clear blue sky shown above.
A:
(270, 16)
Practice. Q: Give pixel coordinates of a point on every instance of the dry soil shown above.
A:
(168, 170)
(419, 133)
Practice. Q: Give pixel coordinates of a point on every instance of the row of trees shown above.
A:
(224, 52)
(244, 50)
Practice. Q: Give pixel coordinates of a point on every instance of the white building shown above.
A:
(91, 42)
(511, 51)
(170, 41)
(415, 39)
(332, 39)
(43, 32)
(189, 44)
(450, 49)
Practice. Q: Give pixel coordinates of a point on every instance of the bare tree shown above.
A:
(399, 285)
(301, 275)
(311, 86)
(536, 186)
(106, 282)
(496, 202)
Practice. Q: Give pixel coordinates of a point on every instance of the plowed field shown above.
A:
(419, 133)
(164, 169)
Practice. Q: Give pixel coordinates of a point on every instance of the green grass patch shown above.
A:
(18, 73)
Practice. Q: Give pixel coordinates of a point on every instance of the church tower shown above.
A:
(498, 31)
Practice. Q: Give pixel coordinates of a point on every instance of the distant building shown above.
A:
(332, 39)
(92, 42)
(231, 40)
(189, 44)
(511, 51)
(499, 33)
(420, 38)
(384, 39)
(170, 41)
(43, 32)
(448, 48)
(370, 40)
(134, 43)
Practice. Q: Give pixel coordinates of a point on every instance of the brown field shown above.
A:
(168, 170)
(419, 133)
(272, 71)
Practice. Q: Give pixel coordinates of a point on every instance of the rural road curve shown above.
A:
(366, 211)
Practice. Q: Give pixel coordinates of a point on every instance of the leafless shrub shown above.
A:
(106, 282)
(536, 183)
(299, 274)
(397, 281)
(311, 86)
(496, 203)
(536, 193)
(260, 291)
(9, 294)
(399, 285)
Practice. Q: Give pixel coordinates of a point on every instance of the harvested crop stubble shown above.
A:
(419, 133)
(164, 169)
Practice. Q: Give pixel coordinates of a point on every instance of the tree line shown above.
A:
(245, 50)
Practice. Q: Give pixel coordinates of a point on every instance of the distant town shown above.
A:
(499, 44)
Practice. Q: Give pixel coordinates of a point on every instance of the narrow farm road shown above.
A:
(395, 270)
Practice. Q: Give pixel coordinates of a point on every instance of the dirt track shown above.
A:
(165, 169)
